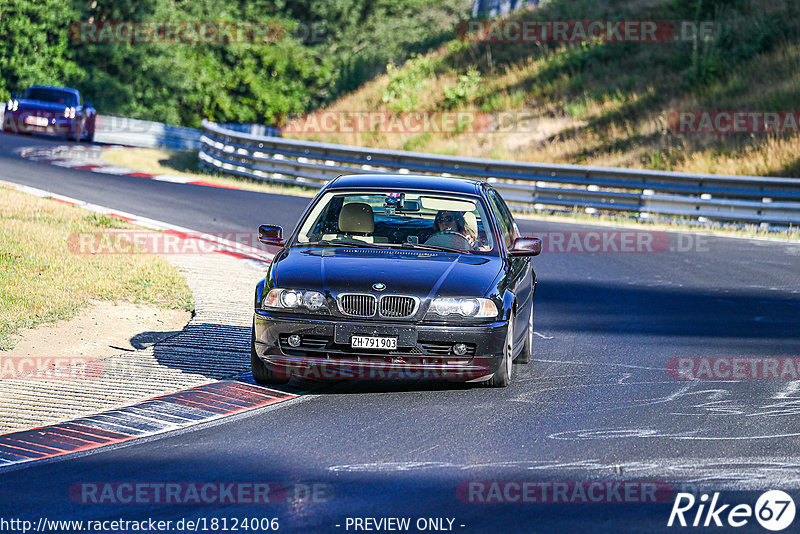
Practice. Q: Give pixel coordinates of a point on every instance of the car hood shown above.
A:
(39, 105)
(407, 272)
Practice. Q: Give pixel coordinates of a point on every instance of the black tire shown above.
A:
(90, 126)
(527, 347)
(262, 374)
(502, 377)
(6, 127)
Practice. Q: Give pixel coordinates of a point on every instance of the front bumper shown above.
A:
(16, 122)
(424, 351)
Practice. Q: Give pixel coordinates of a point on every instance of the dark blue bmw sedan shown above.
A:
(395, 277)
(50, 110)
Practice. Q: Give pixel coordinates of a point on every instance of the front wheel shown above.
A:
(262, 374)
(90, 127)
(78, 134)
(502, 377)
(527, 347)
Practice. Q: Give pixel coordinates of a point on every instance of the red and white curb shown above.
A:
(255, 257)
(159, 415)
(90, 158)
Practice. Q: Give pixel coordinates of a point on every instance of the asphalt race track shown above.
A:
(597, 403)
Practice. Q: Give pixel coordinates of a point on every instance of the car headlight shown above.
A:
(293, 299)
(69, 113)
(465, 307)
(16, 105)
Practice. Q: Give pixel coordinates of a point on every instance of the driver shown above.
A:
(449, 221)
(450, 224)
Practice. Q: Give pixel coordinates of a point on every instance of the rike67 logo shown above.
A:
(774, 510)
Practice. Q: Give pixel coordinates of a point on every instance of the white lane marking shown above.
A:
(725, 473)
(389, 466)
(119, 171)
(604, 364)
(172, 178)
(542, 335)
(616, 433)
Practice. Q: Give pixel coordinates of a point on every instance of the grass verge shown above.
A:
(184, 163)
(42, 281)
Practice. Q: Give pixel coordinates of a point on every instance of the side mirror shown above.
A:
(526, 246)
(271, 235)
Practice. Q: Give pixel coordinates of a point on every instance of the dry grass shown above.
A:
(184, 164)
(42, 281)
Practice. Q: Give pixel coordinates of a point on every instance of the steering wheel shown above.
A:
(449, 238)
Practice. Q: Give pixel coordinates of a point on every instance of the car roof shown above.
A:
(442, 184)
(69, 89)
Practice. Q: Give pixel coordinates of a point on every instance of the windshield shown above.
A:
(51, 95)
(399, 218)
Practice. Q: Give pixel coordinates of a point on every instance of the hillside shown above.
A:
(597, 102)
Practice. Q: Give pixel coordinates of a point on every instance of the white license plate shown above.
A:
(373, 342)
(36, 121)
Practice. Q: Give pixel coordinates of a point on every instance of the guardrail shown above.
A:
(493, 8)
(527, 186)
(148, 134)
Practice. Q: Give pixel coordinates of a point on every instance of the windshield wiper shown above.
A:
(329, 243)
(422, 246)
(415, 246)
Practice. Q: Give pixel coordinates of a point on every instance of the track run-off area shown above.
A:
(627, 391)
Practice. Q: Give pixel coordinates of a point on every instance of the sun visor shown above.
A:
(446, 204)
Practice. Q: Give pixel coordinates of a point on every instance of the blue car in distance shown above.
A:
(50, 110)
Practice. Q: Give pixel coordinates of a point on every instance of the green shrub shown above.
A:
(465, 89)
(406, 82)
